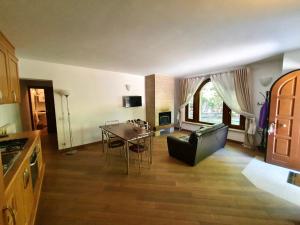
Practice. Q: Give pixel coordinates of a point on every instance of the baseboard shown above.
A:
(80, 147)
(235, 141)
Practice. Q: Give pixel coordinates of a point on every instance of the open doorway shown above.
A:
(38, 109)
(37, 106)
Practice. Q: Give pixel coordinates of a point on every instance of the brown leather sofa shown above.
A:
(199, 145)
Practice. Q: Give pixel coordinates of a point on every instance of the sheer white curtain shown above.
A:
(233, 87)
(188, 87)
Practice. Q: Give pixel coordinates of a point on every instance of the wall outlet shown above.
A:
(63, 144)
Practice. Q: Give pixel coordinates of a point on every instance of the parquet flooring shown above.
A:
(83, 189)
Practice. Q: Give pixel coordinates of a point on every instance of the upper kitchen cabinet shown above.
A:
(3, 76)
(14, 85)
(9, 75)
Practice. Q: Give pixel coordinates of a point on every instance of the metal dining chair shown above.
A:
(111, 144)
(111, 122)
(141, 146)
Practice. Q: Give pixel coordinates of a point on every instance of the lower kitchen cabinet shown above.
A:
(19, 198)
(20, 188)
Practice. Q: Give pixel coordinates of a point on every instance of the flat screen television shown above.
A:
(132, 101)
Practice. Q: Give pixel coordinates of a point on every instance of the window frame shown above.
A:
(226, 111)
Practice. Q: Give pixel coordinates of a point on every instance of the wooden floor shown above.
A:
(83, 189)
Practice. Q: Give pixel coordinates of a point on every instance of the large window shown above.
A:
(207, 107)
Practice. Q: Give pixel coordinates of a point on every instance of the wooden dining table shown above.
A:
(128, 132)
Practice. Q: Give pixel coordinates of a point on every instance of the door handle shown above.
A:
(271, 129)
(282, 125)
(26, 177)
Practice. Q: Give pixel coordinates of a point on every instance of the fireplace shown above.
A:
(164, 118)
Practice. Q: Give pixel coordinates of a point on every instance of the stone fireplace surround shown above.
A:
(164, 118)
(159, 99)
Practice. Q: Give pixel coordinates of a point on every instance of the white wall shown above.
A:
(260, 70)
(291, 61)
(10, 117)
(96, 96)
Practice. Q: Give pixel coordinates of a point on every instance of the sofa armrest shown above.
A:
(182, 150)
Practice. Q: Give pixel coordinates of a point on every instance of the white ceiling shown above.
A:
(173, 37)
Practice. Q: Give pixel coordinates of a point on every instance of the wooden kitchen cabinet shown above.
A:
(14, 85)
(9, 73)
(1, 191)
(20, 188)
(13, 209)
(40, 156)
(27, 190)
(3, 76)
(19, 198)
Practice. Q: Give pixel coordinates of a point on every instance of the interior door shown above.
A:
(284, 122)
(50, 108)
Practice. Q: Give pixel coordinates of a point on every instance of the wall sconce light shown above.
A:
(127, 86)
(265, 81)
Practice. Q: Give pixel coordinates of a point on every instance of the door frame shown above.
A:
(269, 105)
(40, 84)
(269, 99)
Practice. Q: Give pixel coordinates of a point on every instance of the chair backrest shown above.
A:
(144, 141)
(111, 122)
(108, 137)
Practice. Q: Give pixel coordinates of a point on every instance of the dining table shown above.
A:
(128, 132)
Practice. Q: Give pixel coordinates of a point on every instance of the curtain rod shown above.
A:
(215, 72)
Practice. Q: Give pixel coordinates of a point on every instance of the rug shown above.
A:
(272, 179)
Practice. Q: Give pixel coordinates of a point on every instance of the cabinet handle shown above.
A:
(1, 96)
(35, 161)
(26, 177)
(12, 213)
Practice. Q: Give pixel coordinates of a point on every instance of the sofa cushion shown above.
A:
(193, 138)
(209, 129)
(185, 138)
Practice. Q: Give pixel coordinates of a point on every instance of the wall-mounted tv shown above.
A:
(132, 101)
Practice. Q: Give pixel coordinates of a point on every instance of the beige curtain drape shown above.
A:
(233, 87)
(243, 94)
(188, 87)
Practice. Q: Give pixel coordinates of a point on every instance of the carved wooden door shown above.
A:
(284, 122)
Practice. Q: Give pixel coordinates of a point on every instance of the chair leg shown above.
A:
(108, 157)
(124, 150)
(149, 163)
(139, 155)
(121, 151)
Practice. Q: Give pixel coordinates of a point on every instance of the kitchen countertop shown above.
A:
(25, 153)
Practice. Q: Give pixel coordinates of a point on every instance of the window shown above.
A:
(191, 110)
(210, 105)
(207, 107)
